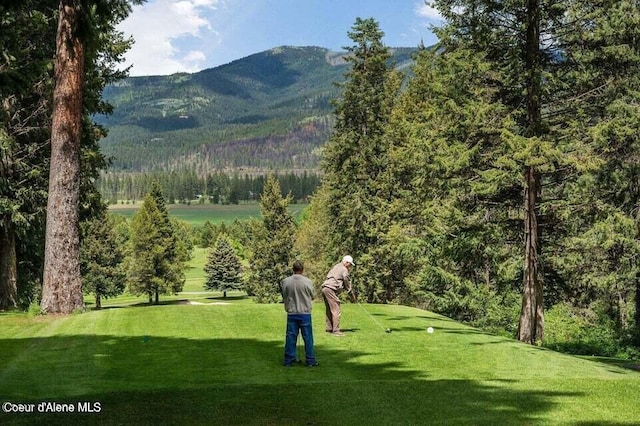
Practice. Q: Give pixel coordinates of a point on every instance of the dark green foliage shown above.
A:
(27, 51)
(27, 40)
(356, 159)
(271, 246)
(555, 94)
(486, 119)
(185, 186)
(156, 263)
(101, 258)
(313, 235)
(223, 267)
(460, 257)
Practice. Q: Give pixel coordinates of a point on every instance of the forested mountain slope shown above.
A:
(271, 110)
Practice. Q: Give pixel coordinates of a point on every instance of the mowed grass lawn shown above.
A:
(219, 363)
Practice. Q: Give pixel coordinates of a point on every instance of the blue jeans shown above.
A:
(299, 323)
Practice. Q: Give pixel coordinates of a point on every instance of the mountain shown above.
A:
(270, 110)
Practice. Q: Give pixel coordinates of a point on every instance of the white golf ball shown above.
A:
(430, 330)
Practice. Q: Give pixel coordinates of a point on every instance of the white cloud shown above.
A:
(426, 10)
(195, 56)
(157, 26)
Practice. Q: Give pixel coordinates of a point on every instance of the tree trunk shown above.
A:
(637, 313)
(531, 326)
(62, 286)
(636, 316)
(98, 301)
(8, 267)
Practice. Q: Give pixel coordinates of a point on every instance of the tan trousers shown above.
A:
(332, 305)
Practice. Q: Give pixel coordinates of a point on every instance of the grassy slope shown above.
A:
(220, 364)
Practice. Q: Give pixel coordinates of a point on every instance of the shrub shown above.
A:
(579, 331)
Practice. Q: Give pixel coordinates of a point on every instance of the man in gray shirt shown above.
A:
(297, 294)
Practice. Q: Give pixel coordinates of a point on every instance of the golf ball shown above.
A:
(430, 330)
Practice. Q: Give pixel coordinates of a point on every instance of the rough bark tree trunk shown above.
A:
(637, 313)
(531, 326)
(8, 267)
(62, 286)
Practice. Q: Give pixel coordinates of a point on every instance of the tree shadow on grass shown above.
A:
(228, 298)
(161, 380)
(613, 362)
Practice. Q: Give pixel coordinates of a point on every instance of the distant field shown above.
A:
(198, 214)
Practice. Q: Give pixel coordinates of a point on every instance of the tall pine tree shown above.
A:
(101, 260)
(85, 49)
(155, 265)
(25, 119)
(356, 158)
(271, 246)
(454, 257)
(555, 85)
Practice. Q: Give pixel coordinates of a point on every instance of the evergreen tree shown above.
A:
(271, 246)
(28, 45)
(101, 260)
(223, 267)
(312, 235)
(604, 237)
(155, 265)
(449, 259)
(25, 116)
(80, 40)
(548, 72)
(356, 157)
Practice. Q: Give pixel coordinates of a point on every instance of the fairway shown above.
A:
(219, 362)
(198, 214)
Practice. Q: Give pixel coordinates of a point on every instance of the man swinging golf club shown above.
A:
(337, 280)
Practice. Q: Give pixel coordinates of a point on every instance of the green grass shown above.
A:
(195, 276)
(193, 287)
(221, 364)
(198, 214)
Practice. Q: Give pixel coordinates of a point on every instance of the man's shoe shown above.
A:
(314, 364)
(337, 333)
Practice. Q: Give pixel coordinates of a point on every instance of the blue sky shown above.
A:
(192, 35)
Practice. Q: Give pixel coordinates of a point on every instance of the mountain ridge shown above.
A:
(270, 110)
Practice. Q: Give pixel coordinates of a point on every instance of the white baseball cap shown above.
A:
(349, 259)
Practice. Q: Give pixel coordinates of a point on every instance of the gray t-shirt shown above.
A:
(297, 294)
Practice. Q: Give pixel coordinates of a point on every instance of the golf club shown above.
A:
(387, 330)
